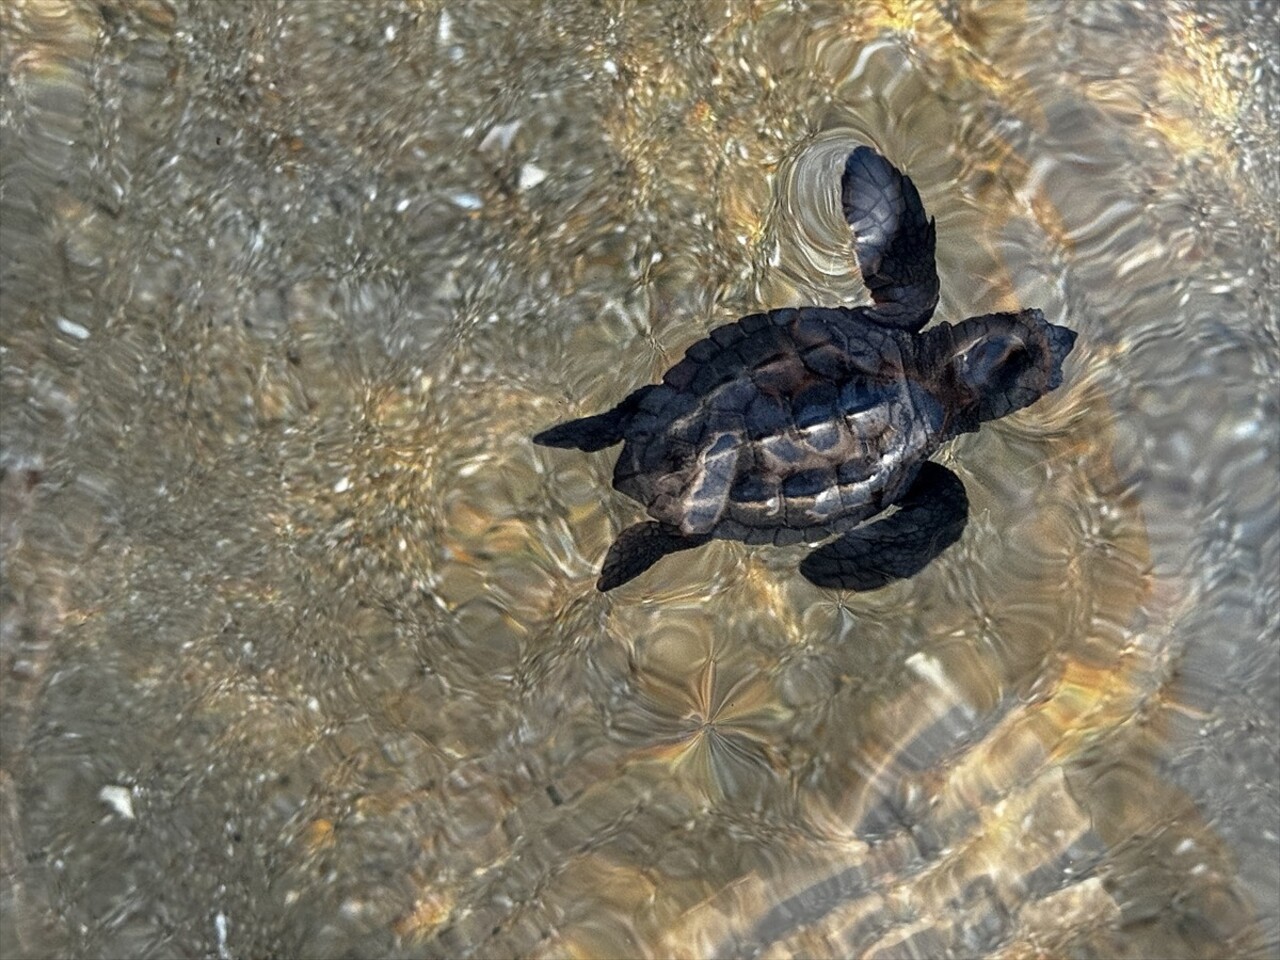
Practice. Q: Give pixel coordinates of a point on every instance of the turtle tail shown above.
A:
(593, 433)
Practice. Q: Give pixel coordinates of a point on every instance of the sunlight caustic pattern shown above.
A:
(287, 288)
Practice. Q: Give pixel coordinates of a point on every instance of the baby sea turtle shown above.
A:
(794, 425)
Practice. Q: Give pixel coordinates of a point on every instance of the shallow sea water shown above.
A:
(300, 645)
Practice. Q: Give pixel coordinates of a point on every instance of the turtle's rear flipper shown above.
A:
(638, 548)
(929, 519)
(893, 238)
(594, 433)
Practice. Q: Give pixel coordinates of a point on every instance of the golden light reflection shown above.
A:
(428, 913)
(1198, 103)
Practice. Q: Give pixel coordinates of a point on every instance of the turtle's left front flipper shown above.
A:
(929, 519)
(893, 238)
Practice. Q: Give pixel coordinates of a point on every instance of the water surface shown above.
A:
(301, 651)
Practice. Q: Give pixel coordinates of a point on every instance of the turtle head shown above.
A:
(1002, 362)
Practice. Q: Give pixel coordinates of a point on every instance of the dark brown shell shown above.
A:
(809, 418)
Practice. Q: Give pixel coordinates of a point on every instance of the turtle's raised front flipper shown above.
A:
(929, 519)
(597, 432)
(893, 238)
(638, 548)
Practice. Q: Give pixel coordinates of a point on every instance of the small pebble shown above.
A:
(119, 799)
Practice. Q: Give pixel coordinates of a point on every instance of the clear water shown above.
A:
(301, 654)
